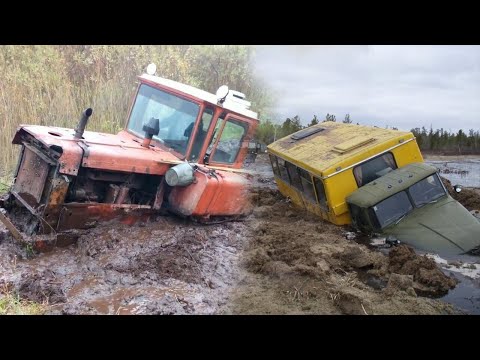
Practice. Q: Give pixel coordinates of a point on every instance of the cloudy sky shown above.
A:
(402, 86)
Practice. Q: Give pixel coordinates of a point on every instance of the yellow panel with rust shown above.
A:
(317, 151)
(288, 191)
(352, 144)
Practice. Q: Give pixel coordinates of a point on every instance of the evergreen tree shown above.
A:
(314, 121)
(347, 119)
(330, 118)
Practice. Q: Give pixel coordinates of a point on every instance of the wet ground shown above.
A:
(165, 267)
(465, 172)
(464, 269)
(279, 260)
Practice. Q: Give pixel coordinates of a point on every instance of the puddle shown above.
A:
(466, 269)
(465, 173)
(128, 301)
(465, 296)
(470, 268)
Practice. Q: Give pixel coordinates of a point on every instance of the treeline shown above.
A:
(448, 143)
(430, 141)
(268, 131)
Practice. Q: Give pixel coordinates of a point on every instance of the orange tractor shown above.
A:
(182, 150)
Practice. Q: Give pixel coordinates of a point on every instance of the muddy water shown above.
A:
(466, 269)
(465, 173)
(466, 295)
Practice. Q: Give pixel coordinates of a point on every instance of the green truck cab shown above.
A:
(411, 205)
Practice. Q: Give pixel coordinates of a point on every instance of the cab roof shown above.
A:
(331, 146)
(201, 94)
(389, 184)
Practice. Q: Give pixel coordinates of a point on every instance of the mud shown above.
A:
(469, 198)
(298, 264)
(279, 260)
(427, 278)
(169, 266)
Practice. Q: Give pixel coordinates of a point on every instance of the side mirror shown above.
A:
(151, 128)
(457, 188)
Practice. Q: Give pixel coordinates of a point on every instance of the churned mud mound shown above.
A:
(426, 276)
(297, 264)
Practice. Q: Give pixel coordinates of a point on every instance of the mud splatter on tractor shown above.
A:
(182, 150)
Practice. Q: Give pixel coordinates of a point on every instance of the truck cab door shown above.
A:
(229, 142)
(200, 136)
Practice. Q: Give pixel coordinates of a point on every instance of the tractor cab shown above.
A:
(192, 124)
(181, 151)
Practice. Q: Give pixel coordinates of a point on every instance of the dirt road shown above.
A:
(279, 260)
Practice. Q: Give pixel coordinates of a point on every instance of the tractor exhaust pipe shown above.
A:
(80, 129)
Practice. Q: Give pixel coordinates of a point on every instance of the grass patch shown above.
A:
(3, 187)
(5, 183)
(11, 304)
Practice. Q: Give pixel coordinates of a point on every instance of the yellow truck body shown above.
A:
(318, 167)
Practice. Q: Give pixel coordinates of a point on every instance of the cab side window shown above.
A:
(275, 169)
(199, 140)
(321, 196)
(283, 170)
(294, 176)
(307, 185)
(230, 141)
(374, 168)
(215, 135)
(359, 217)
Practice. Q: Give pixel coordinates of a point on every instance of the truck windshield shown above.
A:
(392, 209)
(176, 116)
(426, 191)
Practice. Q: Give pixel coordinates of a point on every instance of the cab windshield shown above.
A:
(392, 209)
(176, 117)
(396, 207)
(426, 191)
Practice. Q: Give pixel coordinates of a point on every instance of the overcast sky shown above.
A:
(402, 86)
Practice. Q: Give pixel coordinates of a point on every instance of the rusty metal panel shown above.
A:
(127, 159)
(8, 224)
(224, 194)
(56, 198)
(31, 177)
(87, 215)
(48, 136)
(157, 204)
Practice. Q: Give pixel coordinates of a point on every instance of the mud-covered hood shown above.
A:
(121, 152)
(444, 227)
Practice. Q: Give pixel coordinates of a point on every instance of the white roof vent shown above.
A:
(236, 98)
(237, 94)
